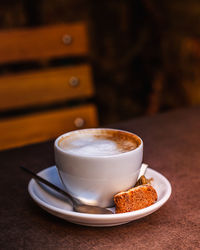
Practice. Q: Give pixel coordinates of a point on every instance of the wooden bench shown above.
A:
(49, 93)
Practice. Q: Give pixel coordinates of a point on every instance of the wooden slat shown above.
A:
(43, 126)
(47, 86)
(43, 42)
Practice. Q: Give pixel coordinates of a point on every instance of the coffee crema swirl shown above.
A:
(99, 142)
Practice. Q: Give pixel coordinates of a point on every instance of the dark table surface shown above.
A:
(171, 146)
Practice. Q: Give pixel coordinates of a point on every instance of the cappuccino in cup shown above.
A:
(95, 164)
(98, 142)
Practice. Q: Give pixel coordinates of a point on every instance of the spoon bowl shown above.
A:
(88, 209)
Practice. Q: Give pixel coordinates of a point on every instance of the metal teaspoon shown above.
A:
(77, 206)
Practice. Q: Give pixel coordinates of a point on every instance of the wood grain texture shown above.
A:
(44, 126)
(45, 86)
(43, 42)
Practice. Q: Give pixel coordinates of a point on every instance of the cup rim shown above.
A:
(97, 156)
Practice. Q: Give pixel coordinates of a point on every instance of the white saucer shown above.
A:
(56, 204)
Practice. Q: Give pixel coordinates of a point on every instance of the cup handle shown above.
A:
(142, 170)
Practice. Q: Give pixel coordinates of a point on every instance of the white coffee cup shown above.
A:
(95, 164)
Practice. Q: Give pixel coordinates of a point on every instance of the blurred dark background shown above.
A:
(144, 53)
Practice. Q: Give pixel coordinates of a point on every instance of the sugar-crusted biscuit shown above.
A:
(135, 198)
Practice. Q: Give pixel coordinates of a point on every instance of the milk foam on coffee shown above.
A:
(98, 143)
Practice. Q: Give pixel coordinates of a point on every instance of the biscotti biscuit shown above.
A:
(135, 198)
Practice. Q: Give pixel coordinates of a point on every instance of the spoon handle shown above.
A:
(51, 185)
